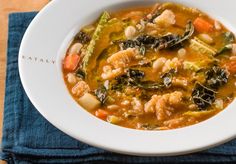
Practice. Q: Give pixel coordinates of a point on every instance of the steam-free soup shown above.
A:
(152, 68)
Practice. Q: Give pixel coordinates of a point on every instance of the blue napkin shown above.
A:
(29, 138)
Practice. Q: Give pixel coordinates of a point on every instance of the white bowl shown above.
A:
(42, 50)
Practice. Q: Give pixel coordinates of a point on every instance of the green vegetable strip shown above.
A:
(200, 46)
(96, 36)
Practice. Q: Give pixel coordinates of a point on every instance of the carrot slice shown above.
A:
(101, 114)
(71, 62)
(201, 25)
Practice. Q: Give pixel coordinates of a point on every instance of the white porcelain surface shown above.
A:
(41, 53)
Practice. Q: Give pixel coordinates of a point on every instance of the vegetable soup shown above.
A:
(160, 67)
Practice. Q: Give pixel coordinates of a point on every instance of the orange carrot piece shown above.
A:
(201, 25)
(71, 62)
(101, 114)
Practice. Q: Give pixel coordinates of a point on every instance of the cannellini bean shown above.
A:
(206, 38)
(219, 104)
(75, 48)
(106, 84)
(217, 25)
(158, 64)
(234, 49)
(192, 107)
(166, 19)
(149, 16)
(130, 32)
(113, 107)
(71, 78)
(182, 52)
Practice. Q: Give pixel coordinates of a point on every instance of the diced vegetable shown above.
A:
(201, 47)
(101, 114)
(89, 102)
(102, 22)
(201, 25)
(193, 66)
(113, 119)
(71, 62)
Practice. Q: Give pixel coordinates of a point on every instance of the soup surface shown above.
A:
(160, 67)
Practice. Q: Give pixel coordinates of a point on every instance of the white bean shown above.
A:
(75, 49)
(182, 52)
(206, 38)
(113, 107)
(130, 32)
(71, 78)
(217, 25)
(149, 16)
(89, 102)
(159, 63)
(219, 104)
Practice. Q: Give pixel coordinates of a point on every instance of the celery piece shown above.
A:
(201, 47)
(96, 36)
(192, 66)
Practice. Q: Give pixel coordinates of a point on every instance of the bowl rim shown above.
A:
(157, 143)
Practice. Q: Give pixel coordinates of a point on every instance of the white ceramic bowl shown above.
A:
(42, 50)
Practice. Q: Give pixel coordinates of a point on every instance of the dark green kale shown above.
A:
(82, 37)
(144, 42)
(203, 96)
(216, 77)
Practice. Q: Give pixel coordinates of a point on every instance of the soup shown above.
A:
(160, 67)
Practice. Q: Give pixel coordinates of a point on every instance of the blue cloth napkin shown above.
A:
(29, 138)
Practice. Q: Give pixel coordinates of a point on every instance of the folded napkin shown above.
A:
(29, 138)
